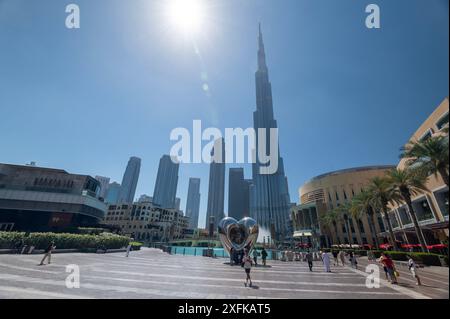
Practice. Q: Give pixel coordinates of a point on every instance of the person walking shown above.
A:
(247, 264)
(413, 269)
(128, 250)
(326, 261)
(353, 260)
(335, 256)
(390, 267)
(342, 257)
(309, 259)
(48, 253)
(255, 257)
(264, 256)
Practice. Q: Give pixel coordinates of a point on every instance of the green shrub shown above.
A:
(136, 245)
(8, 240)
(427, 258)
(65, 241)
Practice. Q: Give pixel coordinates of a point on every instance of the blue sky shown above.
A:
(86, 100)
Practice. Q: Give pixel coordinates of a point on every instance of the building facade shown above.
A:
(326, 192)
(113, 193)
(431, 207)
(216, 190)
(270, 201)
(147, 222)
(45, 199)
(104, 184)
(193, 202)
(130, 180)
(165, 191)
(238, 194)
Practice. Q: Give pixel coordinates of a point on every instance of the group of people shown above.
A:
(391, 272)
(325, 257)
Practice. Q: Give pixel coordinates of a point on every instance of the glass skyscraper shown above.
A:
(193, 202)
(216, 190)
(130, 180)
(270, 201)
(166, 184)
(238, 194)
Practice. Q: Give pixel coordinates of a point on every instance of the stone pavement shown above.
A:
(150, 273)
(434, 279)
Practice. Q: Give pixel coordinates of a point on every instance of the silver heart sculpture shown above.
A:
(238, 235)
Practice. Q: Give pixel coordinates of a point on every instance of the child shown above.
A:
(247, 264)
(413, 268)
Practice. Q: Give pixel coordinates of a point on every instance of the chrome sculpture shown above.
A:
(238, 235)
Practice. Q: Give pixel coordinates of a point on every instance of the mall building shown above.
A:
(147, 222)
(326, 192)
(46, 199)
(431, 207)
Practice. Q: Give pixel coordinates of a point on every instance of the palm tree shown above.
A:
(361, 204)
(430, 155)
(331, 219)
(381, 193)
(341, 212)
(408, 183)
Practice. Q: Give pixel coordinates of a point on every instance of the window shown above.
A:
(443, 122)
(426, 135)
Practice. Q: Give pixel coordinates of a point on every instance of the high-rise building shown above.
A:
(193, 202)
(177, 203)
(112, 195)
(166, 183)
(238, 194)
(216, 190)
(104, 183)
(270, 200)
(130, 180)
(145, 199)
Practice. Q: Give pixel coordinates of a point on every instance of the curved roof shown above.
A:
(351, 170)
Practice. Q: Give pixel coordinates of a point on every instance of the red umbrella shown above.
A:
(439, 246)
(408, 246)
(385, 246)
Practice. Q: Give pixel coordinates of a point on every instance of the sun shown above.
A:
(186, 15)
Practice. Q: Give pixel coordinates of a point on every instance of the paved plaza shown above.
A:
(150, 273)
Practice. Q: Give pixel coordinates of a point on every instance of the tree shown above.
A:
(430, 155)
(381, 193)
(341, 214)
(362, 204)
(331, 218)
(407, 183)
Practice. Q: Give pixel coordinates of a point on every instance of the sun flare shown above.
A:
(186, 15)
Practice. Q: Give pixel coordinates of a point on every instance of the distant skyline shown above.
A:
(344, 96)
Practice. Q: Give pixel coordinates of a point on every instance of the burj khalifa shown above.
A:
(270, 200)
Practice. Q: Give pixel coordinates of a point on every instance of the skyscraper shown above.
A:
(166, 183)
(130, 180)
(216, 189)
(238, 194)
(112, 195)
(270, 201)
(193, 202)
(104, 183)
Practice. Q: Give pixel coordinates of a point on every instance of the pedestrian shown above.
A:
(232, 259)
(342, 257)
(264, 256)
(128, 250)
(48, 253)
(390, 267)
(335, 256)
(353, 260)
(326, 261)
(309, 259)
(413, 269)
(255, 257)
(247, 264)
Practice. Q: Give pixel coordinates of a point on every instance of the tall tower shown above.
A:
(238, 194)
(130, 180)
(166, 184)
(270, 201)
(193, 202)
(216, 190)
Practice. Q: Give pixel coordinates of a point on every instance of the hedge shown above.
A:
(136, 245)
(8, 240)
